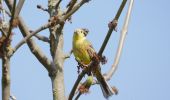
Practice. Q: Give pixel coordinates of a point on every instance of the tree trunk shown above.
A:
(5, 78)
(56, 49)
(57, 77)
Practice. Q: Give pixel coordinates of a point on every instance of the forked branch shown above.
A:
(54, 21)
(32, 45)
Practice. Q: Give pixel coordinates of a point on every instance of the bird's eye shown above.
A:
(84, 33)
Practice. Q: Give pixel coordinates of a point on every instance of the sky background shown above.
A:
(144, 68)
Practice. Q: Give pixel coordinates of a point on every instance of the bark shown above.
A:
(5, 77)
(56, 48)
(58, 78)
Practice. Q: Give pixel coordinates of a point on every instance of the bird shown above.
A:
(84, 52)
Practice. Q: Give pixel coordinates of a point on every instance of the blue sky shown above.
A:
(143, 72)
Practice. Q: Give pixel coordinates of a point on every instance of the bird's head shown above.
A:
(80, 33)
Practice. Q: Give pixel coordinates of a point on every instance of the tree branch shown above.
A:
(71, 5)
(75, 8)
(81, 75)
(42, 38)
(29, 36)
(31, 44)
(33, 47)
(42, 8)
(18, 8)
(5, 74)
(11, 20)
(112, 26)
(77, 97)
(121, 42)
(57, 21)
(47, 25)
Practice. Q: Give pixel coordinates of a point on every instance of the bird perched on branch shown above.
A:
(84, 54)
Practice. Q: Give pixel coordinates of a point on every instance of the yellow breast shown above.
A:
(80, 52)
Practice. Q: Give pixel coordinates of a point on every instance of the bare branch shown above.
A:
(12, 19)
(121, 42)
(71, 5)
(29, 36)
(75, 8)
(42, 38)
(81, 75)
(33, 47)
(112, 26)
(18, 8)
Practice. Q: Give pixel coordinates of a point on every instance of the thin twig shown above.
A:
(42, 8)
(121, 42)
(81, 75)
(42, 38)
(112, 26)
(11, 21)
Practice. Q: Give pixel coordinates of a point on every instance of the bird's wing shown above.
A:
(90, 50)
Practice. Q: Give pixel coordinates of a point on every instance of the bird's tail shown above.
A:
(106, 88)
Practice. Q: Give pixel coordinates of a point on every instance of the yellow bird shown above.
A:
(83, 50)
